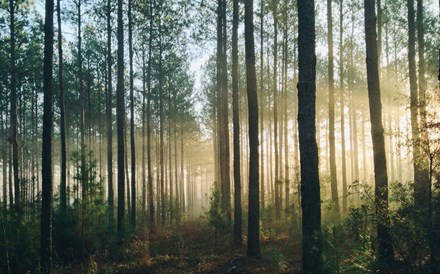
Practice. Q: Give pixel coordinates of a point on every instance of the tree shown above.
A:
(253, 249)
(109, 118)
(46, 159)
(310, 196)
(149, 167)
(331, 110)
(422, 188)
(13, 98)
(120, 121)
(275, 110)
(385, 250)
(236, 125)
(63, 186)
(222, 110)
(132, 137)
(341, 95)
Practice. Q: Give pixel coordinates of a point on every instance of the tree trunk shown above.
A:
(132, 141)
(222, 97)
(109, 119)
(236, 130)
(422, 188)
(161, 137)
(144, 175)
(331, 110)
(253, 248)
(13, 96)
(262, 159)
(152, 225)
(275, 112)
(285, 98)
(341, 96)
(46, 159)
(120, 121)
(63, 199)
(385, 249)
(310, 196)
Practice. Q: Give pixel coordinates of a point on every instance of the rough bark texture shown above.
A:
(385, 250)
(310, 196)
(46, 159)
(254, 180)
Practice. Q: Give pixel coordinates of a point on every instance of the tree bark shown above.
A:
(152, 224)
(331, 110)
(385, 250)
(222, 97)
(422, 188)
(342, 102)
(310, 196)
(120, 121)
(253, 248)
(109, 119)
(236, 128)
(13, 96)
(132, 137)
(63, 188)
(262, 159)
(275, 112)
(46, 159)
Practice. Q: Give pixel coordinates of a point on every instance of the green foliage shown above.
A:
(275, 255)
(267, 219)
(216, 215)
(83, 230)
(352, 248)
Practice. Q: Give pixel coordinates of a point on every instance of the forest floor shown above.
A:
(193, 249)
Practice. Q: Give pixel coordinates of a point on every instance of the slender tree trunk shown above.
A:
(161, 135)
(342, 102)
(253, 248)
(63, 200)
(310, 196)
(127, 176)
(236, 130)
(170, 163)
(144, 96)
(331, 109)
(262, 159)
(120, 121)
(414, 102)
(46, 159)
(423, 188)
(275, 111)
(132, 137)
(80, 75)
(385, 250)
(149, 167)
(13, 98)
(222, 96)
(285, 98)
(109, 119)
